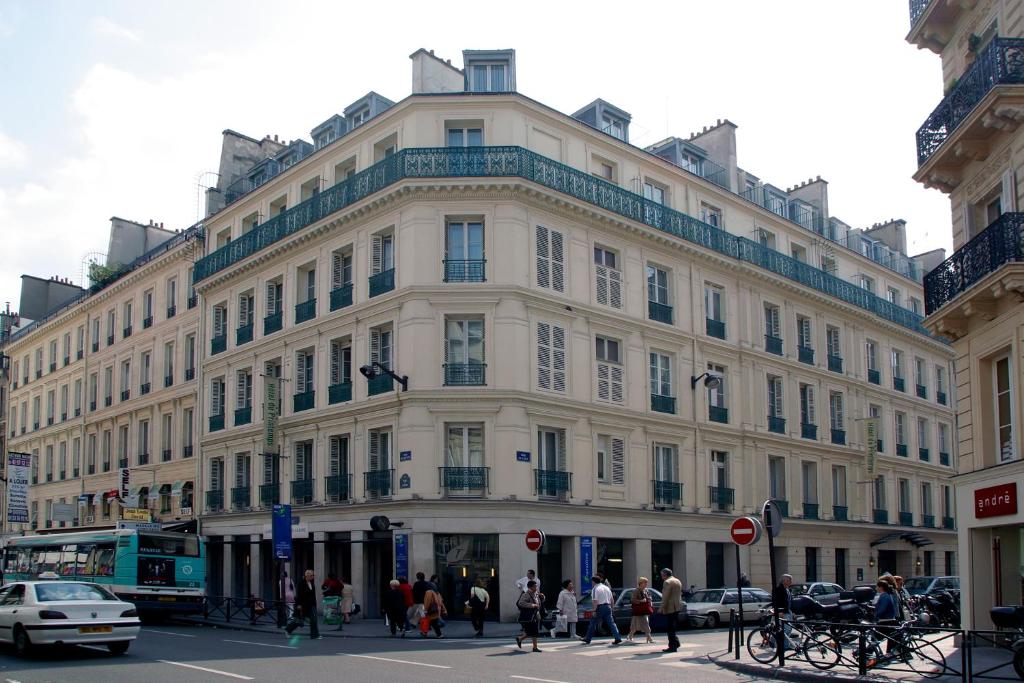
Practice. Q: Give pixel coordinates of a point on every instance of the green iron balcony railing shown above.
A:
(272, 323)
(171, 311)
(243, 416)
(940, 397)
(720, 415)
(243, 335)
(379, 385)
(1000, 243)
(240, 497)
(901, 450)
(917, 8)
(382, 282)
(944, 459)
(465, 374)
(773, 344)
(270, 495)
(924, 454)
(553, 483)
(303, 401)
(338, 487)
(906, 518)
(122, 462)
(839, 437)
(663, 404)
(810, 511)
(776, 424)
(216, 423)
(840, 513)
(126, 332)
(669, 493)
(805, 354)
(899, 384)
(835, 364)
(125, 395)
(341, 297)
(305, 311)
(948, 523)
(339, 393)
(215, 501)
(218, 344)
(463, 481)
(880, 516)
(144, 388)
(879, 446)
(808, 431)
(1000, 63)
(465, 270)
(302, 492)
(147, 322)
(874, 376)
(443, 162)
(168, 381)
(659, 313)
(144, 458)
(928, 521)
(783, 506)
(379, 483)
(714, 328)
(190, 374)
(922, 391)
(722, 499)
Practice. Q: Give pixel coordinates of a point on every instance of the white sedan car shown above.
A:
(65, 612)
(714, 604)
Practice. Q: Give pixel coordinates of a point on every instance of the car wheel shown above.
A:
(713, 620)
(22, 643)
(118, 648)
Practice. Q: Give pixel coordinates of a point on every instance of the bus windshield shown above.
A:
(168, 544)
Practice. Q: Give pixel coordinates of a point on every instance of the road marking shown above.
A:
(541, 680)
(680, 665)
(249, 642)
(620, 649)
(211, 671)
(396, 661)
(169, 633)
(11, 680)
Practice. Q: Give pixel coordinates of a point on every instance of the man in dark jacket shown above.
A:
(419, 589)
(782, 597)
(305, 600)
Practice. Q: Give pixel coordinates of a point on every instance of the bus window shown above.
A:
(82, 556)
(45, 559)
(167, 544)
(24, 560)
(68, 557)
(100, 561)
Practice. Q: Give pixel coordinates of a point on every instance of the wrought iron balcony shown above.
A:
(810, 511)
(126, 332)
(240, 497)
(906, 518)
(899, 384)
(805, 354)
(998, 244)
(808, 431)
(839, 437)
(379, 483)
(880, 516)
(126, 394)
(517, 162)
(663, 404)
(553, 483)
(465, 374)
(720, 415)
(917, 8)
(190, 374)
(122, 462)
(270, 495)
(172, 311)
(463, 481)
(243, 416)
(165, 456)
(922, 391)
(303, 401)
(272, 323)
(305, 311)
(147, 322)
(874, 376)
(944, 459)
(948, 523)
(924, 454)
(379, 385)
(67, 361)
(187, 451)
(92, 406)
(669, 493)
(714, 328)
(144, 458)
(879, 446)
(144, 388)
(95, 347)
(339, 393)
(463, 270)
(218, 344)
(302, 492)
(168, 381)
(215, 501)
(901, 450)
(928, 521)
(216, 422)
(773, 344)
(341, 297)
(835, 363)
(1000, 63)
(839, 513)
(79, 354)
(338, 487)
(940, 397)
(110, 342)
(783, 506)
(243, 335)
(721, 499)
(382, 282)
(659, 313)
(776, 424)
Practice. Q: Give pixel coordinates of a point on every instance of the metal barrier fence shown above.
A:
(252, 610)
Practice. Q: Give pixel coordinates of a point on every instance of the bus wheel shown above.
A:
(22, 643)
(118, 648)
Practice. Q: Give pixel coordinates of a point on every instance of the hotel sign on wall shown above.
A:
(996, 501)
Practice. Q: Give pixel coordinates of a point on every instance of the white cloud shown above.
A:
(12, 152)
(105, 28)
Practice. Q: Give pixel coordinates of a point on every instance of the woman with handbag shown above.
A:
(567, 609)
(530, 604)
(642, 608)
(476, 607)
(434, 613)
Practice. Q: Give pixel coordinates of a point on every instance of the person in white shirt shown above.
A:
(603, 599)
(530, 576)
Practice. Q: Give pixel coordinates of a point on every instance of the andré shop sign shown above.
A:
(996, 501)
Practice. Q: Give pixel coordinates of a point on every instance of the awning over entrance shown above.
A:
(176, 489)
(912, 537)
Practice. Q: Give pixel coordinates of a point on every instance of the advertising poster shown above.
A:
(19, 467)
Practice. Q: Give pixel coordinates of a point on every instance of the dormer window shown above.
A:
(488, 78)
(690, 162)
(360, 117)
(613, 127)
(490, 70)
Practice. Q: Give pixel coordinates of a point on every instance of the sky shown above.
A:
(117, 108)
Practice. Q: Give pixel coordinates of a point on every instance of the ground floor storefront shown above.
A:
(468, 543)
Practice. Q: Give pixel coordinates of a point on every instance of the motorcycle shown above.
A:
(1012, 618)
(945, 607)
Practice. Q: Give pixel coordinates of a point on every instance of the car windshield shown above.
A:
(707, 596)
(917, 585)
(64, 592)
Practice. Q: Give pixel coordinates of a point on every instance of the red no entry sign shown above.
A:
(534, 539)
(745, 531)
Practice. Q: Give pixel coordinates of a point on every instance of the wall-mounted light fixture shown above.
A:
(710, 381)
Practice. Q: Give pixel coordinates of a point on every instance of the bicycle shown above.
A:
(817, 646)
(906, 647)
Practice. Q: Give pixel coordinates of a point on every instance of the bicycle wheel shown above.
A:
(925, 658)
(761, 645)
(821, 651)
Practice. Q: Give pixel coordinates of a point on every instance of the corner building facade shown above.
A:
(556, 307)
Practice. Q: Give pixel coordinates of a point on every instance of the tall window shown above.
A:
(380, 450)
(776, 408)
(217, 397)
(922, 433)
(611, 460)
(720, 469)
(809, 477)
(551, 454)
(901, 428)
(807, 416)
(713, 300)
(465, 137)
(717, 395)
(776, 478)
(803, 329)
(654, 192)
(464, 251)
(243, 389)
(657, 285)
(771, 321)
(1004, 405)
(382, 253)
(835, 411)
(666, 462)
(944, 438)
(834, 342)
(903, 487)
(839, 485)
(550, 259)
(926, 499)
(341, 362)
(551, 359)
(879, 492)
(464, 351)
(245, 309)
(661, 374)
(608, 279)
(304, 371)
(871, 354)
(108, 376)
(341, 269)
(274, 301)
(609, 370)
(143, 442)
(897, 364)
(304, 461)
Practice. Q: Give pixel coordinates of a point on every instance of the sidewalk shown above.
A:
(359, 628)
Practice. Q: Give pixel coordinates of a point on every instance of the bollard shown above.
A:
(736, 627)
(862, 655)
(731, 631)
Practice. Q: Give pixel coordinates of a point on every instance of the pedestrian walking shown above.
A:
(671, 605)
(406, 588)
(478, 603)
(567, 610)
(522, 583)
(419, 590)
(642, 607)
(434, 613)
(288, 598)
(531, 605)
(395, 608)
(348, 599)
(603, 599)
(331, 587)
(782, 601)
(305, 600)
(903, 598)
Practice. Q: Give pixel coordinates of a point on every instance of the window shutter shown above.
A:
(375, 345)
(335, 464)
(271, 298)
(240, 389)
(218, 321)
(618, 462)
(810, 406)
(602, 285)
(616, 380)
(216, 471)
(300, 462)
(239, 470)
(374, 463)
(562, 466)
(557, 262)
(244, 305)
(269, 471)
(543, 355)
(216, 398)
(335, 362)
(603, 381)
(558, 358)
(300, 373)
(543, 258)
(336, 270)
(1009, 191)
(377, 255)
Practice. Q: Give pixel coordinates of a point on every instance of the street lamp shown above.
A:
(710, 381)
(374, 369)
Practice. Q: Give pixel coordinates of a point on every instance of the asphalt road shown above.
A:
(186, 654)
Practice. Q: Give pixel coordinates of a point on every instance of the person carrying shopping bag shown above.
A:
(567, 610)
(434, 613)
(642, 607)
(530, 604)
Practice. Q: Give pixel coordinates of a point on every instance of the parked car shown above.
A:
(713, 604)
(922, 585)
(824, 593)
(622, 611)
(65, 613)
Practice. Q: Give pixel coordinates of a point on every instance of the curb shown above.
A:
(780, 673)
(231, 626)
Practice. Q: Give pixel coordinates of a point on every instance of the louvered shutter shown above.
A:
(543, 355)
(335, 463)
(604, 391)
(335, 362)
(271, 298)
(217, 398)
(374, 456)
(216, 474)
(609, 287)
(602, 285)
(377, 254)
(558, 358)
(218, 321)
(300, 373)
(240, 389)
(300, 462)
(562, 462)
(244, 303)
(616, 380)
(837, 411)
(269, 469)
(557, 262)
(618, 461)
(336, 263)
(811, 417)
(239, 471)
(375, 345)
(543, 258)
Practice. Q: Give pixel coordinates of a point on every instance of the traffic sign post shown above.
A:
(534, 540)
(744, 531)
(773, 524)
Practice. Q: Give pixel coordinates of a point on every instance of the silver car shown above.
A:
(823, 593)
(714, 604)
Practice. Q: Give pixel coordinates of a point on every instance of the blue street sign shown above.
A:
(405, 481)
(401, 554)
(523, 456)
(405, 456)
(586, 562)
(281, 531)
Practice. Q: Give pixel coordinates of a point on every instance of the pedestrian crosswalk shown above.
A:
(649, 653)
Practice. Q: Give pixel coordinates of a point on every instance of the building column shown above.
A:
(695, 573)
(512, 558)
(255, 565)
(357, 578)
(636, 560)
(421, 554)
(229, 566)
(319, 561)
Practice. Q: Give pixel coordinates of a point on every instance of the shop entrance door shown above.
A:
(379, 565)
(716, 565)
(888, 562)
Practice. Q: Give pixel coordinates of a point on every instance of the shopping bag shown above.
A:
(332, 610)
(424, 625)
(561, 624)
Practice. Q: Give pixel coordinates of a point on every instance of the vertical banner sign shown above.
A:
(871, 437)
(401, 555)
(281, 531)
(586, 562)
(126, 480)
(19, 466)
(271, 410)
